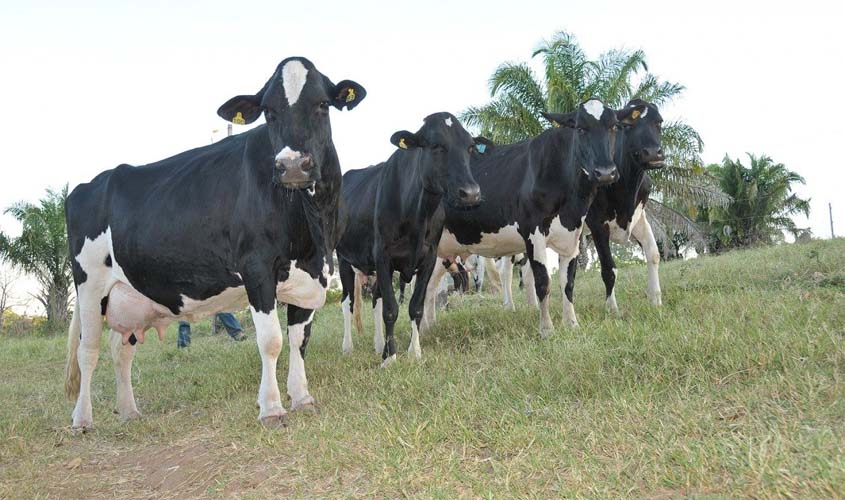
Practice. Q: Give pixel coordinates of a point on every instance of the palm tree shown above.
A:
(763, 203)
(569, 78)
(42, 250)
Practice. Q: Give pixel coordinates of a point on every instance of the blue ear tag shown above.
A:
(481, 148)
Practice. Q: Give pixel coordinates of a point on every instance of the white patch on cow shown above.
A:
(346, 348)
(378, 331)
(645, 112)
(595, 108)
(538, 241)
(297, 381)
(287, 154)
(569, 313)
(294, 75)
(301, 289)
(388, 361)
(414, 348)
(448, 121)
(505, 241)
(122, 355)
(238, 275)
(611, 299)
(268, 335)
(562, 240)
(623, 236)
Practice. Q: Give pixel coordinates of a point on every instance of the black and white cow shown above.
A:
(250, 219)
(536, 196)
(394, 214)
(618, 211)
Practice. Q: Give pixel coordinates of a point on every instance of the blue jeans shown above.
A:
(229, 321)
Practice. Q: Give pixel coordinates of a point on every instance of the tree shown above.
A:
(569, 78)
(42, 250)
(7, 299)
(762, 207)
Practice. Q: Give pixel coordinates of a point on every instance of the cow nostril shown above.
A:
(307, 163)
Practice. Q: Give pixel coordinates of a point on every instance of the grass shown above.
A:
(733, 388)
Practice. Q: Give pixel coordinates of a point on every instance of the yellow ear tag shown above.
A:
(635, 114)
(555, 124)
(351, 95)
(239, 119)
(402, 143)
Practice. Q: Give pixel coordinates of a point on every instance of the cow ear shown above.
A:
(241, 109)
(406, 140)
(633, 111)
(348, 93)
(559, 119)
(483, 145)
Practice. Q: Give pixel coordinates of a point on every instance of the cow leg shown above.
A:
(528, 278)
(645, 236)
(507, 282)
(347, 282)
(384, 281)
(401, 291)
(88, 352)
(536, 251)
(299, 329)
(417, 303)
(122, 356)
(601, 238)
(430, 303)
(569, 293)
(268, 335)
(378, 321)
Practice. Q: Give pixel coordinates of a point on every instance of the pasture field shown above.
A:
(734, 388)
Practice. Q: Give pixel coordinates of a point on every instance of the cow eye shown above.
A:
(614, 128)
(582, 130)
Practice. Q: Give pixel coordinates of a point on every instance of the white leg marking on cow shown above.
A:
(595, 108)
(569, 318)
(645, 236)
(347, 325)
(507, 283)
(268, 335)
(430, 304)
(528, 284)
(562, 274)
(297, 381)
(388, 361)
(378, 331)
(122, 356)
(92, 260)
(538, 241)
(294, 75)
(414, 350)
(611, 299)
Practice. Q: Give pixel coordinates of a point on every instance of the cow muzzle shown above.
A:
(469, 195)
(605, 175)
(294, 170)
(650, 158)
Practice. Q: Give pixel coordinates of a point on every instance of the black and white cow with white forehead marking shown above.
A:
(618, 211)
(250, 220)
(394, 219)
(536, 195)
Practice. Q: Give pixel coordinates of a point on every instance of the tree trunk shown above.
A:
(57, 301)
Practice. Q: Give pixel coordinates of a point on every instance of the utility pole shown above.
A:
(228, 130)
(830, 213)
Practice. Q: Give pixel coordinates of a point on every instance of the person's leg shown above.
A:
(183, 339)
(232, 325)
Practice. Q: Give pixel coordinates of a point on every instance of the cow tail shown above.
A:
(356, 304)
(72, 375)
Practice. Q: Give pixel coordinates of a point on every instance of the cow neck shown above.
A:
(622, 194)
(552, 183)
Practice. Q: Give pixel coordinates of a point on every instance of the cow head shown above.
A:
(592, 133)
(444, 148)
(295, 103)
(640, 135)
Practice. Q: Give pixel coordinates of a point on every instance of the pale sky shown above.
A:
(87, 85)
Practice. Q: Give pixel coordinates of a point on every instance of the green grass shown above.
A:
(733, 388)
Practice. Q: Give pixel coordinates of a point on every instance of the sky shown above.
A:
(86, 86)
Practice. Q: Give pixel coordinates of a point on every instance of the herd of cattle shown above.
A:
(254, 219)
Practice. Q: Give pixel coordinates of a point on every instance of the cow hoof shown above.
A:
(274, 421)
(546, 332)
(131, 415)
(509, 306)
(305, 405)
(82, 428)
(414, 353)
(656, 301)
(347, 350)
(388, 361)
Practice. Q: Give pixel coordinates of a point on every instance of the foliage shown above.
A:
(568, 78)
(42, 250)
(762, 207)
